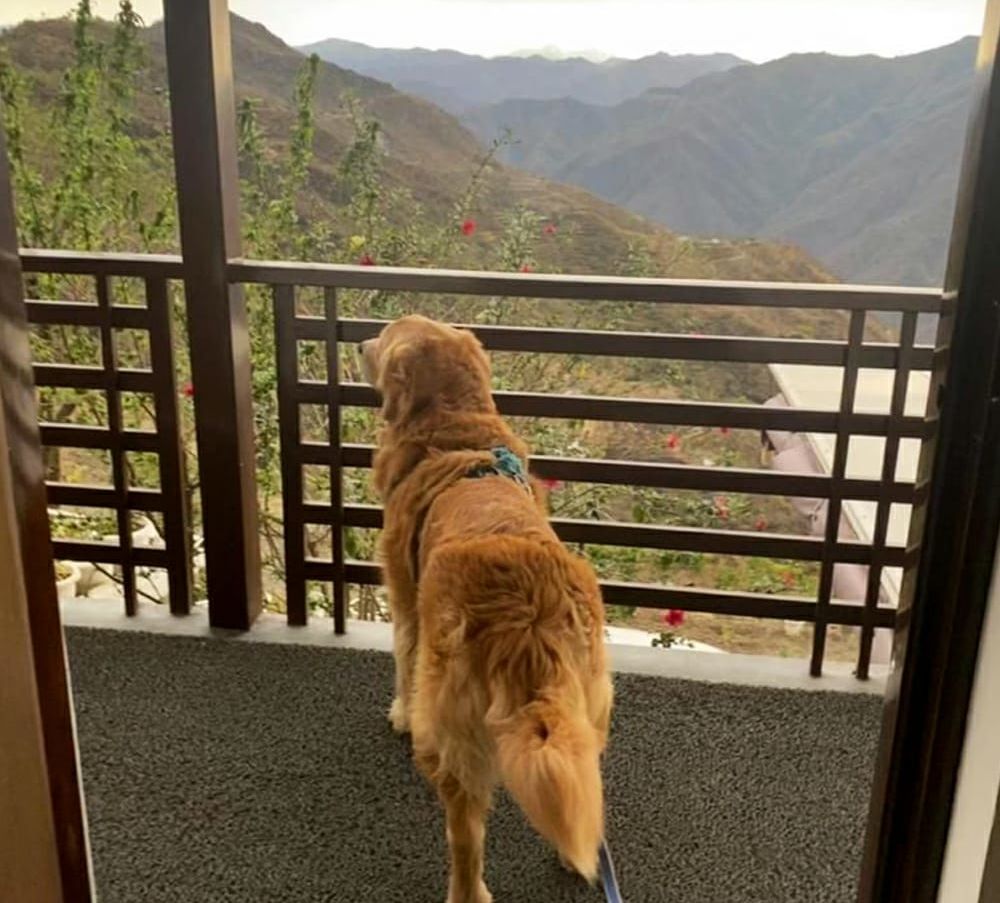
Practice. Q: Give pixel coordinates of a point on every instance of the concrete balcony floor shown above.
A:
(221, 770)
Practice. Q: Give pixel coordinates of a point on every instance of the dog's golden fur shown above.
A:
(498, 629)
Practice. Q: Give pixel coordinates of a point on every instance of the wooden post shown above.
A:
(38, 762)
(29, 854)
(957, 520)
(203, 114)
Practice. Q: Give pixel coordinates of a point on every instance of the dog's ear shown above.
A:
(478, 354)
(403, 394)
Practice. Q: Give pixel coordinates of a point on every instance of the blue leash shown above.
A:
(609, 880)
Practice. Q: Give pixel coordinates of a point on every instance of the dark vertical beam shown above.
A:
(173, 479)
(336, 468)
(24, 453)
(834, 507)
(119, 478)
(890, 459)
(287, 360)
(29, 857)
(203, 116)
(943, 600)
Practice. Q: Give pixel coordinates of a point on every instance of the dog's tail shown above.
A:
(548, 748)
(549, 757)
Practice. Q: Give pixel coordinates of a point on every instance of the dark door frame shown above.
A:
(956, 521)
(30, 516)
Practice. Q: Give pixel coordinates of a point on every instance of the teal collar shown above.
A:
(505, 464)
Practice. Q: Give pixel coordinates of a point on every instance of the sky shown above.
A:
(757, 30)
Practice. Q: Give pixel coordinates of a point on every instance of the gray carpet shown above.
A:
(220, 772)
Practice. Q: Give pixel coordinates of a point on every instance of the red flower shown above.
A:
(760, 523)
(788, 578)
(673, 442)
(551, 484)
(725, 430)
(527, 268)
(673, 617)
(550, 229)
(468, 227)
(367, 260)
(188, 390)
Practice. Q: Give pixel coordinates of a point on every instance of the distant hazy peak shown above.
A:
(551, 52)
(462, 81)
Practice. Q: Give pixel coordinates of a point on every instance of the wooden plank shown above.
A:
(333, 391)
(756, 605)
(75, 376)
(651, 345)
(657, 536)
(64, 313)
(833, 296)
(287, 360)
(89, 496)
(173, 474)
(109, 553)
(101, 263)
(666, 412)
(665, 476)
(118, 472)
(844, 430)
(890, 458)
(71, 435)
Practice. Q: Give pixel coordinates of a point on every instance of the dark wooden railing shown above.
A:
(829, 550)
(153, 318)
(332, 330)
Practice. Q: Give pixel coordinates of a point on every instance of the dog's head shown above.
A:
(420, 366)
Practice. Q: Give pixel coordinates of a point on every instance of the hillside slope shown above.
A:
(855, 159)
(461, 81)
(427, 152)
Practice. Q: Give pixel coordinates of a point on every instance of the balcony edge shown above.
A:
(702, 667)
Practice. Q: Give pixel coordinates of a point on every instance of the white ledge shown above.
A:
(705, 667)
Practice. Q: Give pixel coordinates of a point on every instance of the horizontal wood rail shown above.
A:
(832, 296)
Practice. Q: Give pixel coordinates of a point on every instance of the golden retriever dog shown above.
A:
(498, 630)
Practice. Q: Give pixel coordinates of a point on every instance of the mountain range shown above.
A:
(459, 82)
(855, 159)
